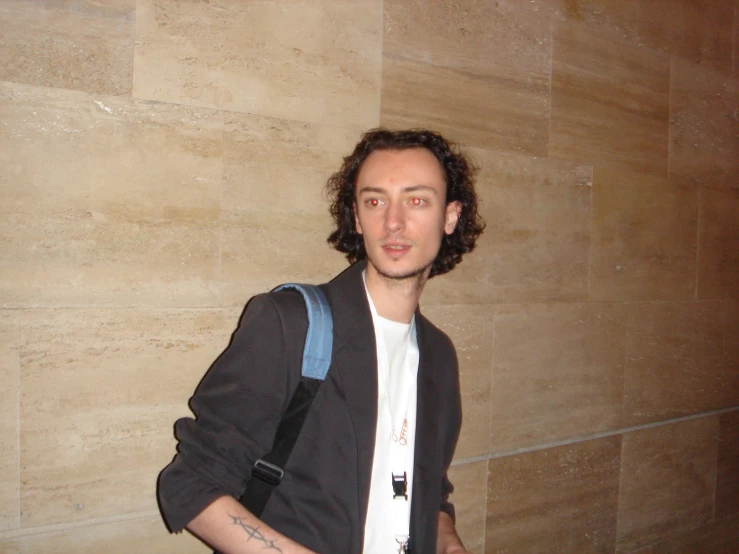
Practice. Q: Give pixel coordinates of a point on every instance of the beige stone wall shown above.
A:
(162, 160)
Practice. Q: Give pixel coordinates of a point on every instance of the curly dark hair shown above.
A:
(460, 185)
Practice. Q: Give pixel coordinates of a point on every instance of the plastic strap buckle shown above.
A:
(400, 486)
(268, 472)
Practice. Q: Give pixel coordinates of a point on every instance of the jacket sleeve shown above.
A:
(237, 408)
(451, 427)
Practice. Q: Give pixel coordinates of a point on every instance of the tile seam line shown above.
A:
(79, 524)
(225, 112)
(35, 530)
(133, 98)
(593, 436)
(690, 301)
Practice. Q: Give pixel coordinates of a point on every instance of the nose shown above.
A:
(394, 217)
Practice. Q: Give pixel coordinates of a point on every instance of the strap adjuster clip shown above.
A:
(400, 486)
(268, 472)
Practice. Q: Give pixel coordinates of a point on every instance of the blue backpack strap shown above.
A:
(320, 338)
(268, 471)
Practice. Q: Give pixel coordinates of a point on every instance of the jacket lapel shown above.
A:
(427, 418)
(355, 361)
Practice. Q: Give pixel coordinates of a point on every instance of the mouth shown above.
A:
(395, 250)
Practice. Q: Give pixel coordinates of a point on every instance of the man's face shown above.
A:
(401, 211)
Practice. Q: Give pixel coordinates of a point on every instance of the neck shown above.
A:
(395, 299)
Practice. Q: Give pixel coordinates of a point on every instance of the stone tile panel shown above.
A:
(10, 349)
(704, 110)
(727, 478)
(146, 534)
(675, 362)
(471, 330)
(721, 535)
(644, 237)
(718, 244)
(81, 45)
(535, 246)
(100, 391)
(699, 31)
(478, 72)
(275, 211)
(610, 101)
(317, 62)
(557, 372)
(469, 499)
(611, 16)
(471, 35)
(668, 480)
(107, 200)
(561, 499)
(503, 109)
(736, 39)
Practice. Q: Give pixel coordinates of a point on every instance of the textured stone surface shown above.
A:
(736, 39)
(275, 212)
(107, 200)
(668, 480)
(555, 500)
(718, 244)
(602, 16)
(727, 477)
(704, 117)
(100, 391)
(699, 31)
(73, 44)
(610, 101)
(445, 64)
(121, 537)
(10, 348)
(470, 481)
(557, 372)
(473, 34)
(471, 330)
(315, 62)
(720, 535)
(675, 362)
(422, 95)
(643, 249)
(535, 245)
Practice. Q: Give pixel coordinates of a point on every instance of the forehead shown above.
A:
(409, 167)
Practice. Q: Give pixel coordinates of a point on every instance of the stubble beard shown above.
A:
(416, 277)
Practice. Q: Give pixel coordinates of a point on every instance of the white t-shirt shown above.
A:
(397, 369)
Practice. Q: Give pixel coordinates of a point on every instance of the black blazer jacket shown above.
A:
(322, 500)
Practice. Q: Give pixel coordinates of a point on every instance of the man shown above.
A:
(388, 413)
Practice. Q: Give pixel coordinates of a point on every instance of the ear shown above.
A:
(451, 216)
(356, 220)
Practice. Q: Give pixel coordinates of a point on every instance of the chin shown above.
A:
(402, 273)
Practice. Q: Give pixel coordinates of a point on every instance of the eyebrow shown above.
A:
(414, 188)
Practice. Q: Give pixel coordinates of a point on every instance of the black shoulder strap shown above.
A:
(268, 471)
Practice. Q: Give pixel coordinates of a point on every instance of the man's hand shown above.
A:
(448, 542)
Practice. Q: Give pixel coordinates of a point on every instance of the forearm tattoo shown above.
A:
(254, 533)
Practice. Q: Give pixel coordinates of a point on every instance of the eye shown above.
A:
(416, 201)
(374, 202)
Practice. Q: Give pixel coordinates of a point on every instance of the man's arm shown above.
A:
(448, 542)
(232, 529)
(238, 407)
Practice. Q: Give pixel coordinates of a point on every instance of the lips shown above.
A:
(395, 250)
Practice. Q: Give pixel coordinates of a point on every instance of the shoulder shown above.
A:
(286, 305)
(273, 318)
